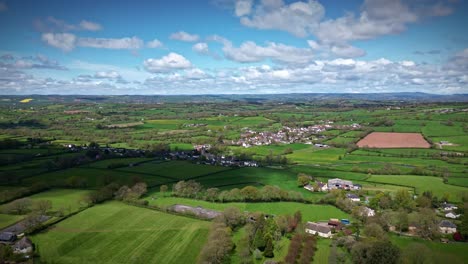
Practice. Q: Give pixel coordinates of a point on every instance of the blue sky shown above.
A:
(233, 46)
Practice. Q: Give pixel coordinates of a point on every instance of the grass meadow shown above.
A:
(117, 233)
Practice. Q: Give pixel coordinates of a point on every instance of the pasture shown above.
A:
(310, 212)
(423, 183)
(119, 233)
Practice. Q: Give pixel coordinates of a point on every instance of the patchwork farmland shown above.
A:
(108, 188)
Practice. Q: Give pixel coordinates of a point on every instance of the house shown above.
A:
(448, 207)
(340, 184)
(7, 237)
(309, 187)
(335, 224)
(353, 197)
(447, 227)
(368, 212)
(452, 215)
(322, 187)
(23, 246)
(357, 187)
(320, 229)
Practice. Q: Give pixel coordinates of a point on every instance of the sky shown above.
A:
(233, 46)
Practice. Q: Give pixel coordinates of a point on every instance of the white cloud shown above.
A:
(249, 51)
(298, 18)
(184, 36)
(172, 61)
(3, 6)
(90, 26)
(201, 48)
(243, 7)
(111, 43)
(63, 41)
(154, 44)
(107, 75)
(52, 24)
(347, 51)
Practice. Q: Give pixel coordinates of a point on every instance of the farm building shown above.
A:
(448, 207)
(447, 227)
(7, 237)
(452, 215)
(319, 229)
(340, 184)
(353, 197)
(23, 246)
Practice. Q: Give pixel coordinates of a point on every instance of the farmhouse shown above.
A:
(448, 207)
(321, 230)
(23, 246)
(447, 227)
(340, 184)
(452, 215)
(353, 197)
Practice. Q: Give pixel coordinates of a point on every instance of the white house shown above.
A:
(353, 197)
(452, 215)
(23, 246)
(447, 227)
(449, 207)
(369, 212)
(340, 184)
(321, 230)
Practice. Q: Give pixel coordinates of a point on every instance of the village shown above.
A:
(288, 135)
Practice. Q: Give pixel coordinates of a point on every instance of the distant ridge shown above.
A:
(290, 97)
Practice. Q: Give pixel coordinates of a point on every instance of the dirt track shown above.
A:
(393, 140)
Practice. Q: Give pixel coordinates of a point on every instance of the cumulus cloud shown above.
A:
(170, 62)
(111, 43)
(376, 18)
(112, 75)
(243, 7)
(184, 36)
(52, 24)
(298, 18)
(249, 51)
(201, 48)
(63, 41)
(68, 41)
(154, 44)
(30, 62)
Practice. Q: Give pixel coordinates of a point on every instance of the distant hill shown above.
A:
(250, 98)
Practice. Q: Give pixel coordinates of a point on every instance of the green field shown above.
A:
(62, 198)
(310, 212)
(7, 220)
(423, 183)
(119, 233)
(323, 251)
(441, 253)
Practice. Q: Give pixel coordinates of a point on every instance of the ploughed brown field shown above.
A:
(393, 140)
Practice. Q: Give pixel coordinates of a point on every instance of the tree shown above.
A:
(250, 193)
(374, 230)
(218, 246)
(232, 217)
(302, 180)
(20, 206)
(42, 206)
(401, 220)
(212, 194)
(403, 200)
(383, 252)
(423, 201)
(163, 189)
(269, 247)
(463, 228)
(427, 223)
